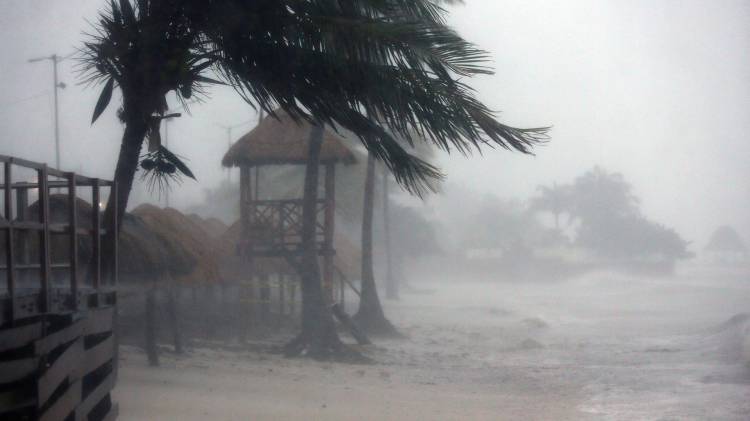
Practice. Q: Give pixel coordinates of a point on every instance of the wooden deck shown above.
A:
(57, 336)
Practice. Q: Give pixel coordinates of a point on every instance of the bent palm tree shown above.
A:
(328, 62)
(370, 316)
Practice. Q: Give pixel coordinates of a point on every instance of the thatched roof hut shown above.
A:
(188, 253)
(281, 140)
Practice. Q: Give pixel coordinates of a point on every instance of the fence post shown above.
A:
(73, 245)
(44, 237)
(96, 256)
(9, 252)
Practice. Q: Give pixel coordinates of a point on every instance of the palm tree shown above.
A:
(555, 199)
(325, 62)
(370, 316)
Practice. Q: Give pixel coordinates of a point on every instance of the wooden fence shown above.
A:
(57, 336)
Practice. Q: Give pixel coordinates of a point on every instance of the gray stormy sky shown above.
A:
(657, 90)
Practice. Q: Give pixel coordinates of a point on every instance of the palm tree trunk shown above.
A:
(318, 337)
(127, 165)
(391, 283)
(370, 315)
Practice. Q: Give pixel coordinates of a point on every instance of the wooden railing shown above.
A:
(18, 300)
(275, 226)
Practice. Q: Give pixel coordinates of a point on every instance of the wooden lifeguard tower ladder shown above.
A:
(272, 228)
(58, 357)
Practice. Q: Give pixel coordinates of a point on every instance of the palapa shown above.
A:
(281, 140)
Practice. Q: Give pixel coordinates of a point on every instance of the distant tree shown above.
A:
(599, 196)
(611, 223)
(555, 199)
(726, 240)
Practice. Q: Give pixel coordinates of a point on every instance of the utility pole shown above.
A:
(229, 137)
(56, 85)
(229, 145)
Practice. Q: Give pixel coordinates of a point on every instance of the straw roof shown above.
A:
(190, 255)
(284, 141)
(212, 226)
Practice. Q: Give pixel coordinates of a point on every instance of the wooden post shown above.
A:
(9, 252)
(73, 237)
(115, 237)
(96, 234)
(282, 296)
(256, 191)
(330, 206)
(244, 203)
(22, 245)
(293, 295)
(265, 299)
(44, 238)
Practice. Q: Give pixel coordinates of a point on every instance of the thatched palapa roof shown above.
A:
(281, 140)
(181, 248)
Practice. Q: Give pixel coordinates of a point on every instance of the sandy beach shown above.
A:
(603, 346)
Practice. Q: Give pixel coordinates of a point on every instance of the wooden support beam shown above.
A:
(9, 244)
(244, 204)
(73, 240)
(96, 240)
(115, 236)
(44, 258)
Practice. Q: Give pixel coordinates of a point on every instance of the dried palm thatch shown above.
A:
(214, 227)
(154, 244)
(189, 254)
(281, 140)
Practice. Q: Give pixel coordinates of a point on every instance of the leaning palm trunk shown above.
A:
(391, 283)
(318, 338)
(370, 315)
(127, 165)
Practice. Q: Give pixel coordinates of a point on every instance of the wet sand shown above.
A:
(604, 346)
